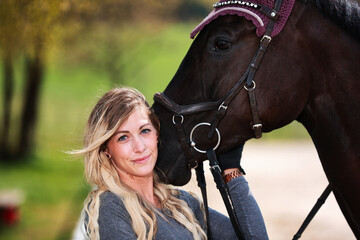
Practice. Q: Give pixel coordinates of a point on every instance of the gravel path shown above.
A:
(286, 179)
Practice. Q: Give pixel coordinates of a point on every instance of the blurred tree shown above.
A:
(110, 30)
(9, 27)
(25, 30)
(28, 28)
(192, 10)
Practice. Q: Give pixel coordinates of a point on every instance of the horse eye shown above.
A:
(222, 45)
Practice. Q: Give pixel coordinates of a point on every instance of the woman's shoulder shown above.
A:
(112, 205)
(190, 198)
(108, 196)
(114, 220)
(110, 200)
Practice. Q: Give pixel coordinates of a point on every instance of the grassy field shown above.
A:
(52, 182)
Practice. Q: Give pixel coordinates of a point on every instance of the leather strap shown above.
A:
(321, 200)
(185, 110)
(226, 102)
(200, 177)
(224, 191)
(185, 146)
(256, 123)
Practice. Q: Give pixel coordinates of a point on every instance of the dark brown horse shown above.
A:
(310, 73)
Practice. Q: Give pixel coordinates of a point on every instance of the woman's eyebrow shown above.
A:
(126, 131)
(144, 125)
(122, 131)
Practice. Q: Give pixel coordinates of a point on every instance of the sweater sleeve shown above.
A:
(114, 221)
(247, 211)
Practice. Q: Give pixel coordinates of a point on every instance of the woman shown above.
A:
(128, 201)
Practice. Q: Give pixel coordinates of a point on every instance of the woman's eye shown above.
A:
(122, 138)
(144, 131)
(222, 44)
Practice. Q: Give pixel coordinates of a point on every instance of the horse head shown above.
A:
(224, 48)
(216, 60)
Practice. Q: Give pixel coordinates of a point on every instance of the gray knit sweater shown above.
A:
(114, 220)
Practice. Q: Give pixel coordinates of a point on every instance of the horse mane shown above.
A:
(346, 13)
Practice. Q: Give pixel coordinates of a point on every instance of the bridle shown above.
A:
(247, 81)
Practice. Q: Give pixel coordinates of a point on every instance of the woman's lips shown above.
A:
(141, 160)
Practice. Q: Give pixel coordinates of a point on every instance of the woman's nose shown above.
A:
(138, 145)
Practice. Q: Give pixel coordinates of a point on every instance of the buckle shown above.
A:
(258, 125)
(181, 119)
(222, 106)
(266, 37)
(253, 84)
(216, 167)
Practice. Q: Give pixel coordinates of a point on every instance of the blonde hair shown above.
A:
(111, 111)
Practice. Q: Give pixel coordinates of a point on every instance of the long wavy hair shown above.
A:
(110, 112)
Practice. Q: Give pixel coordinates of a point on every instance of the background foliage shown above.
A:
(84, 48)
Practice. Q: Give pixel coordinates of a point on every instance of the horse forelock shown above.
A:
(250, 14)
(346, 13)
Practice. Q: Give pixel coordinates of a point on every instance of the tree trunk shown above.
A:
(34, 79)
(5, 147)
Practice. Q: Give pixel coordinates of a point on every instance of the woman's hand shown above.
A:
(230, 161)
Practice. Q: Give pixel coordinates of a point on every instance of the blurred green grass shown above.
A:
(52, 181)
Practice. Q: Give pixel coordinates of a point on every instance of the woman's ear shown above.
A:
(107, 154)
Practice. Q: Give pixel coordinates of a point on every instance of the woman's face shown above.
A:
(133, 147)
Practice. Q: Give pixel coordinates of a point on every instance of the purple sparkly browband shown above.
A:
(249, 10)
